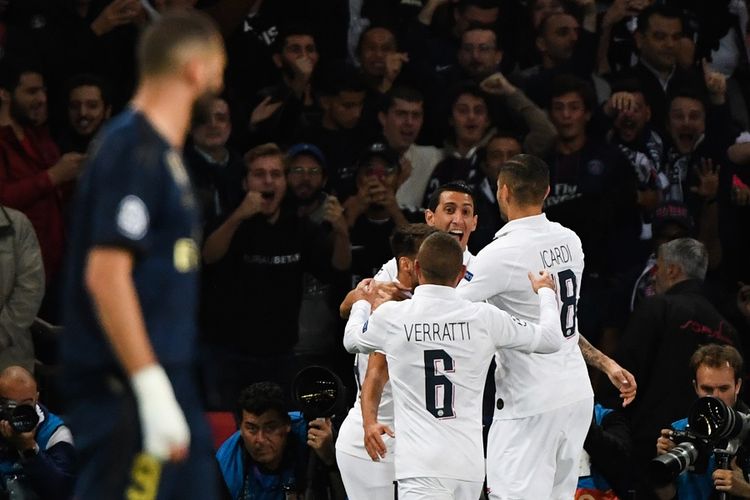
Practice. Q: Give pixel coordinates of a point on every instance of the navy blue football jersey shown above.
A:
(135, 194)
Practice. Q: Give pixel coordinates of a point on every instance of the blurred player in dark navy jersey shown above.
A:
(132, 282)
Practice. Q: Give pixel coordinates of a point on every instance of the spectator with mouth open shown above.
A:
(261, 251)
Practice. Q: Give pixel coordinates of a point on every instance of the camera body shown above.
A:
(713, 428)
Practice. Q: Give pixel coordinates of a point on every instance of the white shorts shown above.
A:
(365, 479)
(433, 488)
(538, 456)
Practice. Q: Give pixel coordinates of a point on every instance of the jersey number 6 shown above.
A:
(438, 389)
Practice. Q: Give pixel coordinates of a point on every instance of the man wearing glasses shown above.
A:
(268, 456)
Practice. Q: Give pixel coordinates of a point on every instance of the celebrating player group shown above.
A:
(430, 352)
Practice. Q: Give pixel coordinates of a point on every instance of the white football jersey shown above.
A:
(438, 348)
(351, 438)
(533, 384)
(389, 271)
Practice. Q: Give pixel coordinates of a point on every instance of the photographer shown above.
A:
(717, 372)
(269, 457)
(36, 448)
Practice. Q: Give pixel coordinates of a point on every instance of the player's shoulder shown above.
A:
(126, 140)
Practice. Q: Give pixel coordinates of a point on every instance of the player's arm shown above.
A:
(375, 292)
(619, 376)
(109, 281)
(372, 390)
(550, 338)
(510, 332)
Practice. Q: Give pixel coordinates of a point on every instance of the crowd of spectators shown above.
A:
(338, 121)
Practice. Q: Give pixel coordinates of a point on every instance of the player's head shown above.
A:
(264, 174)
(185, 46)
(717, 372)
(264, 423)
(440, 261)
(405, 243)
(523, 183)
(451, 209)
(17, 385)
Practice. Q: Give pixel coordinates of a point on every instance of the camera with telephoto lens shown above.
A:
(22, 418)
(713, 428)
(318, 392)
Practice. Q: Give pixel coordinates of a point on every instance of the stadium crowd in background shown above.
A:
(341, 121)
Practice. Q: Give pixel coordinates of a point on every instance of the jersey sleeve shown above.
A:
(127, 187)
(488, 277)
(510, 332)
(364, 332)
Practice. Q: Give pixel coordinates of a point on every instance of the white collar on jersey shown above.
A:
(530, 221)
(436, 292)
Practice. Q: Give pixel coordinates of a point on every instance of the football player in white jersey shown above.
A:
(544, 401)
(363, 478)
(438, 349)
(450, 209)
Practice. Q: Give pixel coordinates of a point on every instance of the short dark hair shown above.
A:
(408, 94)
(440, 258)
(688, 92)
(566, 84)
(405, 240)
(292, 28)
(454, 187)
(467, 88)
(158, 46)
(483, 27)
(506, 134)
(717, 356)
(261, 397)
(541, 30)
(12, 69)
(337, 78)
(527, 177)
(657, 10)
(89, 80)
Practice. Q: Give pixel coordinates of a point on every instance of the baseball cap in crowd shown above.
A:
(672, 213)
(304, 148)
(382, 151)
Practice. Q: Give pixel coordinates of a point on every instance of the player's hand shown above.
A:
(67, 168)
(263, 111)
(374, 442)
(708, 179)
(497, 84)
(166, 435)
(664, 444)
(387, 291)
(320, 439)
(623, 380)
(543, 280)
